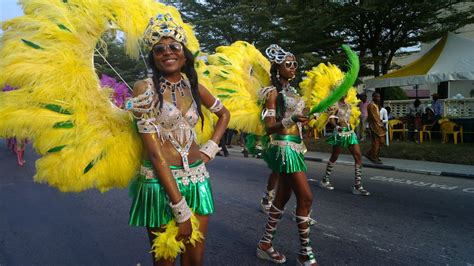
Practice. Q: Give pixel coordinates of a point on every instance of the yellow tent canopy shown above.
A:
(452, 58)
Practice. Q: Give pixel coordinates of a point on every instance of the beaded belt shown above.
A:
(193, 175)
(297, 147)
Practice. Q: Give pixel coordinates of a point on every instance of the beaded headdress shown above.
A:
(161, 26)
(276, 54)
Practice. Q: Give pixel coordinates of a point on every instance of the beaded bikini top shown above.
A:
(294, 104)
(169, 122)
(342, 112)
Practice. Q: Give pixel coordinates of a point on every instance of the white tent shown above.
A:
(452, 58)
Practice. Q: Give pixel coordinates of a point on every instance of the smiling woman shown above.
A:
(173, 188)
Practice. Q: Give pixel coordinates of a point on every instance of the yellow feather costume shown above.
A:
(318, 85)
(84, 140)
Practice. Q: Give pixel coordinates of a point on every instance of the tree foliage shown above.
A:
(314, 30)
(129, 69)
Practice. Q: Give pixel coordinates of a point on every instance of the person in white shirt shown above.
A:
(384, 118)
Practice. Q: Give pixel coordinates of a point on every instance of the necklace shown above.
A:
(173, 87)
(288, 88)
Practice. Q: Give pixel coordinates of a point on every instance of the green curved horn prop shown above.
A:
(349, 80)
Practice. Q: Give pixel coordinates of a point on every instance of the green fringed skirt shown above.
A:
(345, 138)
(150, 206)
(285, 154)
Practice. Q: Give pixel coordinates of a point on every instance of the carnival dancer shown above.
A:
(343, 137)
(284, 117)
(173, 180)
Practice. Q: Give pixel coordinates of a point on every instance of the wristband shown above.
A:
(181, 211)
(210, 149)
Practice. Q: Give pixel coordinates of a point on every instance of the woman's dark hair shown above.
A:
(280, 106)
(187, 69)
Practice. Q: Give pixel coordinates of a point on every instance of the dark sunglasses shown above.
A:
(291, 64)
(174, 47)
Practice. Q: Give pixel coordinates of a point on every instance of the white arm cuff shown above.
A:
(181, 211)
(210, 148)
(216, 106)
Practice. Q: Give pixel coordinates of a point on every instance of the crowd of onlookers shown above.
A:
(418, 115)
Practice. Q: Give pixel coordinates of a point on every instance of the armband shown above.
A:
(138, 104)
(181, 211)
(210, 148)
(216, 106)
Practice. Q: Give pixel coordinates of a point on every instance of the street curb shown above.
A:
(390, 167)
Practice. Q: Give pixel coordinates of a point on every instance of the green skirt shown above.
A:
(285, 154)
(345, 138)
(150, 206)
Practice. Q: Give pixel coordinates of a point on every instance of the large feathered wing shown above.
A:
(237, 73)
(84, 141)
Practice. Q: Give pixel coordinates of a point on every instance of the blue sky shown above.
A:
(9, 9)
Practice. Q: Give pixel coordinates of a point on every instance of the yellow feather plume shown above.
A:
(165, 246)
(237, 72)
(318, 84)
(84, 141)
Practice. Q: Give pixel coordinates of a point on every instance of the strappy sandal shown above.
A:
(271, 255)
(306, 249)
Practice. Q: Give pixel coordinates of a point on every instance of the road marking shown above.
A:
(421, 184)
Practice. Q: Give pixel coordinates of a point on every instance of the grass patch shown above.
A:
(433, 151)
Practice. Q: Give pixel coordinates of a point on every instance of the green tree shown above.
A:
(378, 29)
(314, 30)
(395, 93)
(129, 69)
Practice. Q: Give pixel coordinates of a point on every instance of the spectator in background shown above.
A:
(361, 132)
(415, 111)
(377, 129)
(389, 113)
(384, 117)
(429, 117)
(437, 106)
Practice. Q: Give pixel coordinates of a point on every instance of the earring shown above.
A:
(278, 74)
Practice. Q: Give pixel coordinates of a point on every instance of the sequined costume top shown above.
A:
(342, 113)
(169, 123)
(294, 104)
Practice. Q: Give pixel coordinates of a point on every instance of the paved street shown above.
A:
(410, 219)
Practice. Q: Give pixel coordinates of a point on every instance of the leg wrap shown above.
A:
(304, 230)
(358, 175)
(329, 168)
(274, 217)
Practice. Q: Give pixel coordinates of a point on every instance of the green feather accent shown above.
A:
(32, 44)
(349, 79)
(57, 109)
(92, 163)
(221, 76)
(196, 54)
(56, 149)
(223, 61)
(227, 90)
(61, 26)
(225, 72)
(206, 73)
(64, 124)
(223, 96)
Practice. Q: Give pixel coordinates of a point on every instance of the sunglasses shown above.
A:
(174, 47)
(291, 64)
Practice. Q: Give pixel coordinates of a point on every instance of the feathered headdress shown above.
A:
(161, 26)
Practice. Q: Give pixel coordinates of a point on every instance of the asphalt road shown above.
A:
(410, 219)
